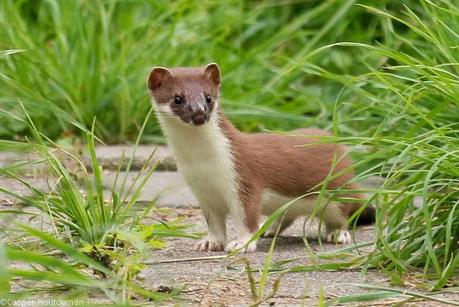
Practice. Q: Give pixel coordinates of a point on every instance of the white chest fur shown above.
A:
(204, 157)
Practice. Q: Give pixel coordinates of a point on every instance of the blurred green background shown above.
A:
(85, 59)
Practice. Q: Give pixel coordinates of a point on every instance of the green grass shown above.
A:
(90, 216)
(91, 58)
(412, 108)
(92, 241)
(382, 75)
(402, 117)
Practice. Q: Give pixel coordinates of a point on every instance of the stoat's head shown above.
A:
(190, 94)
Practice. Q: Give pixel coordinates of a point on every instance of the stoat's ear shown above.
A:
(212, 72)
(158, 76)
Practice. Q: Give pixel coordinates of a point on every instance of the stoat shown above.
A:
(247, 175)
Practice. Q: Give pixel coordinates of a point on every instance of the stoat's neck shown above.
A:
(191, 144)
(227, 126)
(205, 156)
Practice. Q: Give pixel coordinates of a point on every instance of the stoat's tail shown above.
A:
(366, 217)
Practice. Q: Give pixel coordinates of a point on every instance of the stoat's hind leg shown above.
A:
(336, 224)
(338, 236)
(245, 215)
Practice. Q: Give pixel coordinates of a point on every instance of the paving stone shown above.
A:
(225, 282)
(20, 158)
(15, 186)
(8, 158)
(170, 186)
(110, 157)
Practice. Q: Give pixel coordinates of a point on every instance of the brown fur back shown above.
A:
(291, 165)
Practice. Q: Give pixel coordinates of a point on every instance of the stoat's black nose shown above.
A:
(199, 118)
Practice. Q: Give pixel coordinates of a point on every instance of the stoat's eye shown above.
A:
(208, 99)
(178, 99)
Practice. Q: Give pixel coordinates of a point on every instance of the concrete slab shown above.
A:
(8, 158)
(169, 186)
(225, 282)
(110, 157)
(42, 183)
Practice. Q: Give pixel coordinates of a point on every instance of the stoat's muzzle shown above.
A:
(199, 118)
(198, 113)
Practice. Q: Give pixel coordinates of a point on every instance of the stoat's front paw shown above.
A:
(238, 244)
(339, 236)
(209, 245)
